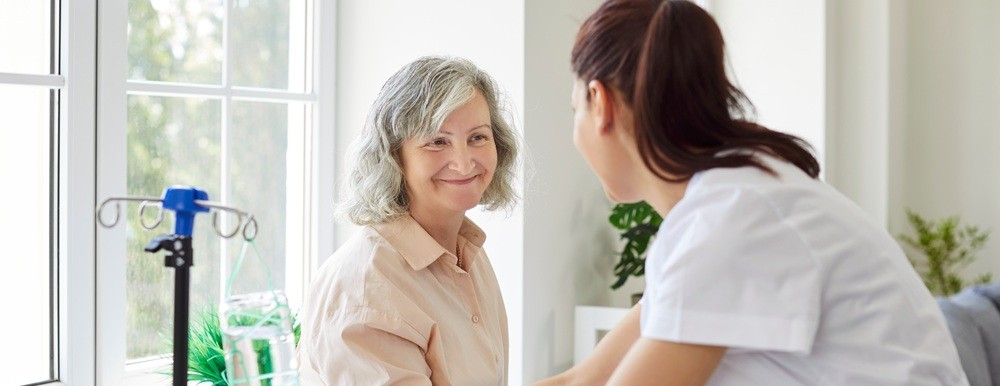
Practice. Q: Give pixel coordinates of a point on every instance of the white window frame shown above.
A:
(74, 311)
(109, 352)
(77, 198)
(65, 250)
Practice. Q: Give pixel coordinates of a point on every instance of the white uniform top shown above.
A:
(798, 282)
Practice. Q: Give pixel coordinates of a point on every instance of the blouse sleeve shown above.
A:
(732, 272)
(369, 347)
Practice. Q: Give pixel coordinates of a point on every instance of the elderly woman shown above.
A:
(412, 298)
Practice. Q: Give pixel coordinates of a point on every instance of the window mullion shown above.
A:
(76, 199)
(111, 180)
(50, 81)
(56, 112)
(227, 121)
(324, 37)
(143, 87)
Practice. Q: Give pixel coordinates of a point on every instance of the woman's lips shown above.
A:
(460, 182)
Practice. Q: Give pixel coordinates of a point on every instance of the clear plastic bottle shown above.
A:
(258, 340)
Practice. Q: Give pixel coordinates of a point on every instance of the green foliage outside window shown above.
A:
(179, 140)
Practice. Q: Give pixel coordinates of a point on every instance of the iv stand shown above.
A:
(185, 202)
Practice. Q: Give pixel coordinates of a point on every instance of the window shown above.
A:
(71, 278)
(222, 95)
(30, 85)
(216, 98)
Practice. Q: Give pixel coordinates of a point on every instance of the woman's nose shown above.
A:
(461, 160)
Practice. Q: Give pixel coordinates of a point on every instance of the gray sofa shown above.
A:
(973, 317)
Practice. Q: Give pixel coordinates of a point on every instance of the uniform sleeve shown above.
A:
(367, 347)
(732, 272)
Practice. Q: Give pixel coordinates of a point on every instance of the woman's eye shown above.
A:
(480, 138)
(438, 142)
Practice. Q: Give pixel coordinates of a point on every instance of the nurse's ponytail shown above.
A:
(666, 60)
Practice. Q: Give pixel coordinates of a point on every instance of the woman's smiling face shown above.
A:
(448, 172)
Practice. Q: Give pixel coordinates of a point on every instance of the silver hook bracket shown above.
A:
(246, 223)
(144, 201)
(243, 220)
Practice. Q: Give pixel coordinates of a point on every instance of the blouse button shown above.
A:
(475, 318)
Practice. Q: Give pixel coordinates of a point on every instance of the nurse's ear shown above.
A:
(601, 102)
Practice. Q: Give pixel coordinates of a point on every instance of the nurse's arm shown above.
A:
(597, 368)
(655, 362)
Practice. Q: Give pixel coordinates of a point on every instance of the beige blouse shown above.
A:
(392, 307)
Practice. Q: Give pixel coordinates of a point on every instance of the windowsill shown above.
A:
(148, 371)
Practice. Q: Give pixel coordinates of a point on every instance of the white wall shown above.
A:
(377, 37)
(858, 115)
(950, 157)
(568, 243)
(776, 50)
(913, 91)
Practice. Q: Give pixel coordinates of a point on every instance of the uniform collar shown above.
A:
(418, 248)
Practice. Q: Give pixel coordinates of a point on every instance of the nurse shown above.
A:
(761, 274)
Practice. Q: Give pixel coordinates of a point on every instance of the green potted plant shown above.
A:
(206, 356)
(943, 248)
(637, 224)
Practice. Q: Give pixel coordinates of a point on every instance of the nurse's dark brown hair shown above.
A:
(665, 59)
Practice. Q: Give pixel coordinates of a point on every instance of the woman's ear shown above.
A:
(602, 106)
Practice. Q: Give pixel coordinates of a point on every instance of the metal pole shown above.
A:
(180, 257)
(182, 292)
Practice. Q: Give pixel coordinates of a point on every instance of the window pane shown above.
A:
(171, 141)
(175, 41)
(25, 36)
(271, 57)
(259, 181)
(25, 279)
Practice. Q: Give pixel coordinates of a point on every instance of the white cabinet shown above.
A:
(591, 324)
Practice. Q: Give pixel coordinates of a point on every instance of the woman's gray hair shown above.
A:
(414, 103)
